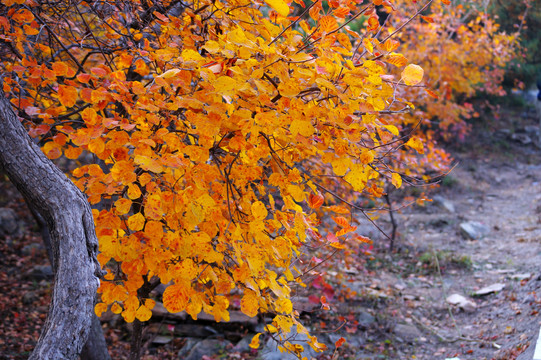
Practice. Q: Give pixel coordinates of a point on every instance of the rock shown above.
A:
(162, 340)
(489, 289)
(462, 302)
(521, 138)
(29, 297)
(32, 249)
(365, 320)
(9, 225)
(302, 304)
(407, 333)
(207, 347)
(244, 344)
(444, 204)
(40, 272)
(188, 345)
(270, 350)
(194, 330)
(521, 277)
(473, 230)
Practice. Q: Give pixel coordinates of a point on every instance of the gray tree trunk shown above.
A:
(95, 347)
(71, 227)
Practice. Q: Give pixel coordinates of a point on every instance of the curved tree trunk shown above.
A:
(95, 347)
(71, 227)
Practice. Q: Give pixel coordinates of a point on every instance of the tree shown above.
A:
(64, 208)
(221, 131)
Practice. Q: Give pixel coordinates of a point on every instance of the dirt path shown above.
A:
(497, 184)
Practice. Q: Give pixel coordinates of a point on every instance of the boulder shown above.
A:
(207, 347)
(407, 333)
(473, 230)
(9, 225)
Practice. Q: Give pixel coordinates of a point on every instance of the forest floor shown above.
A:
(390, 305)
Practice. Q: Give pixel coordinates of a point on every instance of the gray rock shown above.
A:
(29, 297)
(244, 344)
(190, 343)
(521, 138)
(444, 204)
(9, 225)
(489, 289)
(521, 277)
(270, 350)
(162, 340)
(462, 302)
(365, 319)
(40, 272)
(207, 347)
(32, 249)
(473, 230)
(407, 333)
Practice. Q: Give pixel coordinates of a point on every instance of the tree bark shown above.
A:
(95, 347)
(71, 228)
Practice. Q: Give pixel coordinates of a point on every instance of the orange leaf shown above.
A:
(342, 221)
(341, 12)
(338, 209)
(373, 23)
(396, 59)
(315, 200)
(60, 68)
(175, 298)
(391, 45)
(339, 342)
(432, 93)
(67, 95)
(328, 23)
(428, 19)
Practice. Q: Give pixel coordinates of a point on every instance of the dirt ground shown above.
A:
(396, 305)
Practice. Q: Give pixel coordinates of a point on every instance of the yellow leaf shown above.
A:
(396, 180)
(412, 74)
(122, 206)
(254, 344)
(284, 306)
(136, 222)
(100, 308)
(368, 45)
(249, 303)
(357, 177)
(259, 211)
(416, 144)
(143, 313)
(301, 127)
(393, 129)
(279, 5)
(134, 192)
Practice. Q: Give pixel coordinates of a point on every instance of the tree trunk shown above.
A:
(71, 228)
(95, 347)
